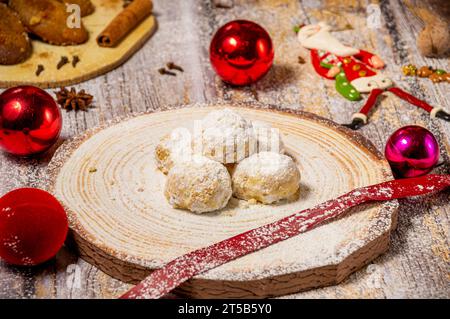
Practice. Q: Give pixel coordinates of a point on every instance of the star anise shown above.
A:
(73, 100)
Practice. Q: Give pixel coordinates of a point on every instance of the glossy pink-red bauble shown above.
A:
(33, 227)
(30, 121)
(241, 52)
(412, 151)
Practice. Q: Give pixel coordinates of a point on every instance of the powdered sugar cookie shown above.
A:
(226, 137)
(266, 177)
(200, 185)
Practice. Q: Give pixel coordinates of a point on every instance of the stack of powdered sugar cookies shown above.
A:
(227, 156)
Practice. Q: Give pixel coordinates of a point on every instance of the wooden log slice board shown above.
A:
(108, 181)
(94, 60)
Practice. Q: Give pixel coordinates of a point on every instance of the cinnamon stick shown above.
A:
(124, 22)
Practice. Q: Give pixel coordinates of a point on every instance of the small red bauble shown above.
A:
(241, 52)
(412, 151)
(33, 227)
(30, 121)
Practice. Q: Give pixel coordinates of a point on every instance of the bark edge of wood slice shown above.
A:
(120, 221)
(94, 60)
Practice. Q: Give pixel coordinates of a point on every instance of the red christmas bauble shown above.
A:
(241, 52)
(412, 151)
(33, 227)
(30, 121)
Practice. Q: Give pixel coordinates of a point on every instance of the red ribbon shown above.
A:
(181, 269)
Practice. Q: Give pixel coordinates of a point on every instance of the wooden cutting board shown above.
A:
(94, 60)
(108, 181)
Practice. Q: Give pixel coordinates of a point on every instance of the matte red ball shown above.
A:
(241, 52)
(30, 121)
(33, 227)
(412, 151)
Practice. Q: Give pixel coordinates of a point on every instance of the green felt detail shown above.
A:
(347, 90)
(440, 72)
(326, 65)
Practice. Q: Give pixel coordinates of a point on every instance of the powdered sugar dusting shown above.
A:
(181, 269)
(130, 225)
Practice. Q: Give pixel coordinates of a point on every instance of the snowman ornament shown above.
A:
(355, 72)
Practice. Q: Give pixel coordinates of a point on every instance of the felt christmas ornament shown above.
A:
(355, 71)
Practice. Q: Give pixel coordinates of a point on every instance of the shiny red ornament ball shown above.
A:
(241, 52)
(412, 151)
(30, 121)
(33, 227)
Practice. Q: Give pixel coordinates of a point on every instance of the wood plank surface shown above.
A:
(417, 264)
